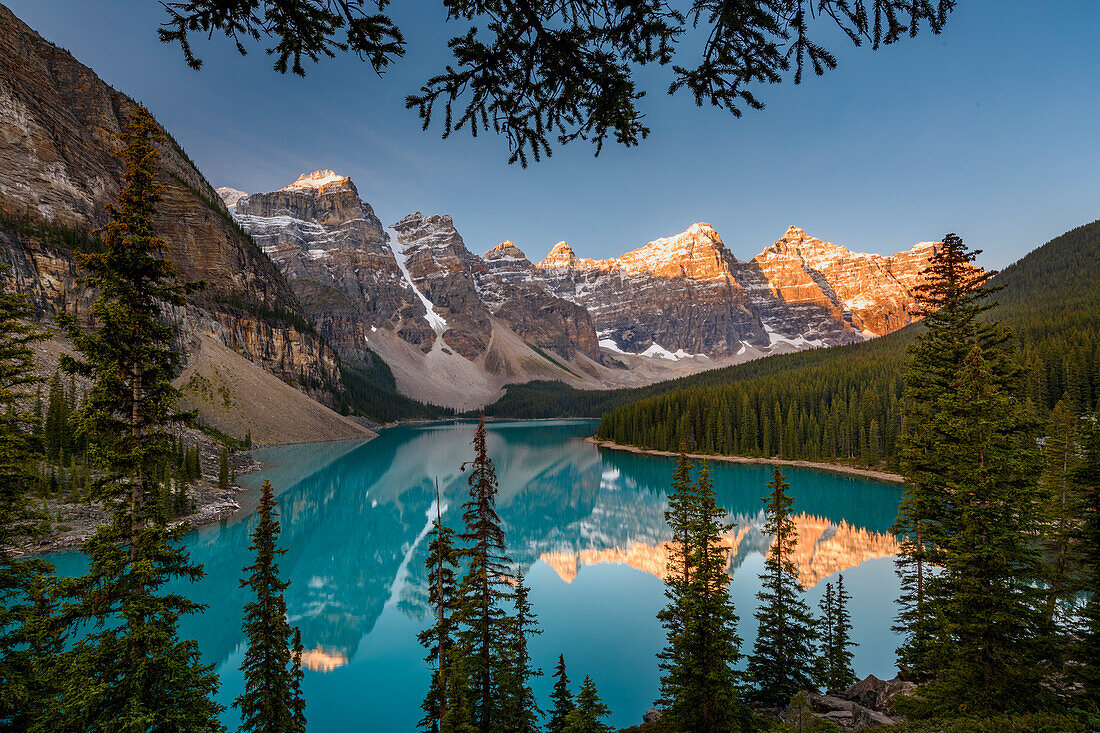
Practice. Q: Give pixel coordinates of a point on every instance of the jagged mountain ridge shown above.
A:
(414, 294)
(689, 293)
(452, 326)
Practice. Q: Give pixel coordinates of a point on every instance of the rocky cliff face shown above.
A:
(416, 279)
(59, 127)
(872, 293)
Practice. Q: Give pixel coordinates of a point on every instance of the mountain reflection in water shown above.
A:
(588, 527)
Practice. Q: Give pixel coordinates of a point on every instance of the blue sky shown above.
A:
(989, 130)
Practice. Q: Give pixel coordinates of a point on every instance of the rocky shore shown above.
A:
(867, 704)
(821, 465)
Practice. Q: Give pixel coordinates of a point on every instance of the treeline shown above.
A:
(843, 411)
(371, 391)
(843, 404)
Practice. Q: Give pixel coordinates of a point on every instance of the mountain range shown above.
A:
(454, 327)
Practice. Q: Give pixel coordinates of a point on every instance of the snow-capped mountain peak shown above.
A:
(316, 180)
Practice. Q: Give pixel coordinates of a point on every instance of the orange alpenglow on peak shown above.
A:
(316, 180)
(505, 249)
(561, 256)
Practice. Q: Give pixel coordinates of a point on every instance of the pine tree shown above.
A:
(587, 716)
(26, 657)
(561, 697)
(441, 562)
(952, 299)
(519, 710)
(783, 660)
(987, 597)
(836, 638)
(699, 686)
(297, 699)
(674, 658)
(268, 702)
(826, 625)
(479, 618)
(130, 667)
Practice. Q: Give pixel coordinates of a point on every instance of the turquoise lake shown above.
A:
(586, 525)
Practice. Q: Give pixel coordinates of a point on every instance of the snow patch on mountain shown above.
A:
(799, 342)
(436, 321)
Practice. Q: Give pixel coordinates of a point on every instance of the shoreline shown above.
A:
(820, 465)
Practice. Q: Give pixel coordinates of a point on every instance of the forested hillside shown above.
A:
(842, 403)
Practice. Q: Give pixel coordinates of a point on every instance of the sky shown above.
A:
(990, 130)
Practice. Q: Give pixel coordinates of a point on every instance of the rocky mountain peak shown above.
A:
(560, 256)
(795, 242)
(697, 252)
(506, 250)
(322, 181)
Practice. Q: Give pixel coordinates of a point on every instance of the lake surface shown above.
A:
(586, 525)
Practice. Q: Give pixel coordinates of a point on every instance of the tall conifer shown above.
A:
(519, 710)
(674, 658)
(699, 687)
(836, 638)
(1060, 508)
(783, 660)
(1087, 475)
(132, 668)
(987, 597)
(480, 619)
(951, 299)
(441, 562)
(562, 698)
(297, 698)
(268, 702)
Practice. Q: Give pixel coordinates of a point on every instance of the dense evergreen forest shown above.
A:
(844, 403)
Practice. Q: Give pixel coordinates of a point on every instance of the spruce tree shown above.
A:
(699, 688)
(674, 658)
(562, 698)
(130, 667)
(952, 299)
(783, 660)
(836, 638)
(987, 597)
(268, 702)
(441, 562)
(587, 716)
(480, 620)
(297, 699)
(826, 624)
(27, 657)
(519, 710)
